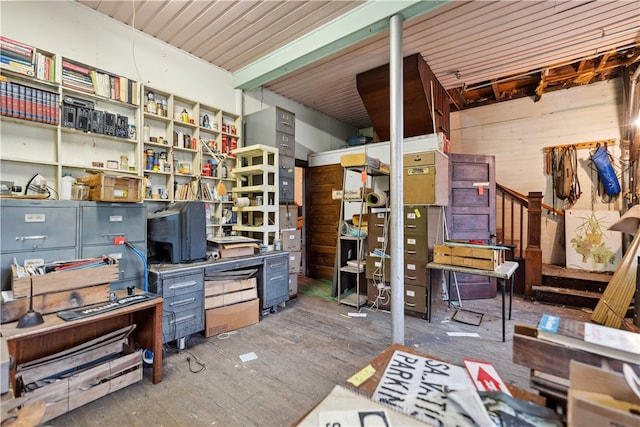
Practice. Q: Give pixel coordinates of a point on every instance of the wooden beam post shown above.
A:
(533, 253)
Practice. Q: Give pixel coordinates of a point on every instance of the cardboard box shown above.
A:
(288, 216)
(239, 249)
(293, 284)
(62, 280)
(113, 188)
(294, 262)
(231, 317)
(291, 240)
(598, 397)
(359, 159)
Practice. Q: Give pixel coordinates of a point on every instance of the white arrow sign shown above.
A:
(484, 376)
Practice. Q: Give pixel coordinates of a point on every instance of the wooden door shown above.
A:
(322, 219)
(471, 215)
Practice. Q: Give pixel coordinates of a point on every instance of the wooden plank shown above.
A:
(54, 302)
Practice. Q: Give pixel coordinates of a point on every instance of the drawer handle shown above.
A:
(412, 252)
(411, 277)
(276, 278)
(182, 302)
(183, 319)
(183, 285)
(276, 265)
(112, 234)
(410, 305)
(44, 236)
(285, 145)
(411, 226)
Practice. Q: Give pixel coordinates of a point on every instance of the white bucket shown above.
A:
(66, 183)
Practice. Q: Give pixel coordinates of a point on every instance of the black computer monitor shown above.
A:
(178, 233)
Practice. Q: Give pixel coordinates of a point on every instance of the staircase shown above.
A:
(518, 226)
(568, 287)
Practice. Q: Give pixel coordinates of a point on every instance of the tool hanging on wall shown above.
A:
(601, 158)
(564, 172)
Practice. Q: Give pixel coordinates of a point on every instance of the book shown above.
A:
(74, 67)
(609, 342)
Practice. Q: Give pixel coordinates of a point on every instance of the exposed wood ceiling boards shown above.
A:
(480, 51)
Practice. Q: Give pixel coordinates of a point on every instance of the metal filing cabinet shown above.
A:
(36, 229)
(102, 223)
(276, 127)
(183, 305)
(416, 257)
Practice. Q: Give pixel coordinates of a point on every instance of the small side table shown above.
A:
(503, 273)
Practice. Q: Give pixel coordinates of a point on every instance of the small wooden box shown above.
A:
(63, 280)
(468, 256)
(113, 188)
(219, 293)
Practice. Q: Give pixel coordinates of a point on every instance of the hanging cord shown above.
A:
(554, 168)
(144, 264)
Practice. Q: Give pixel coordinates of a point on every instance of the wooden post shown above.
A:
(533, 253)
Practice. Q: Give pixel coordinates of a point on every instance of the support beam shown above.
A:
(367, 20)
(396, 121)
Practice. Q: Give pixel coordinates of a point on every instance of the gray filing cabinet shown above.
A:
(276, 127)
(55, 230)
(37, 229)
(102, 223)
(182, 287)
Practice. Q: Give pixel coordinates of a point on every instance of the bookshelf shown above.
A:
(54, 120)
(120, 131)
(186, 154)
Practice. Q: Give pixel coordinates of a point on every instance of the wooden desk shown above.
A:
(56, 334)
(503, 273)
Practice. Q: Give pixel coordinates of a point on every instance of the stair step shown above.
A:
(566, 296)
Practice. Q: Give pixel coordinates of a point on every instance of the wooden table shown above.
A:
(503, 273)
(56, 334)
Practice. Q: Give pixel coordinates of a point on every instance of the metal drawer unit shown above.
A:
(102, 224)
(276, 127)
(36, 229)
(183, 305)
(276, 280)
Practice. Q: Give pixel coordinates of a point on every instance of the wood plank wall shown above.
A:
(517, 131)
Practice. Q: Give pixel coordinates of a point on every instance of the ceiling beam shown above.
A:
(362, 22)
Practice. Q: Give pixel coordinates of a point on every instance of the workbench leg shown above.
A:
(510, 295)
(502, 282)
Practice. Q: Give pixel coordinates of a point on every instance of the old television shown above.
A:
(178, 234)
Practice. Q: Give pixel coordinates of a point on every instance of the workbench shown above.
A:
(503, 273)
(56, 334)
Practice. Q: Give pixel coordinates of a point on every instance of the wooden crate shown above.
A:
(52, 302)
(471, 256)
(70, 392)
(113, 188)
(62, 280)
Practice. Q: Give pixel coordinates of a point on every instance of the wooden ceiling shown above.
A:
(480, 51)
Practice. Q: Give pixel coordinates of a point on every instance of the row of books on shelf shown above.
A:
(29, 103)
(100, 83)
(195, 191)
(24, 59)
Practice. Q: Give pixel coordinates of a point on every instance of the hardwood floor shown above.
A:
(302, 351)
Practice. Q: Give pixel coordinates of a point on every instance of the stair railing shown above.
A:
(519, 218)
